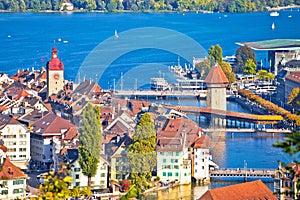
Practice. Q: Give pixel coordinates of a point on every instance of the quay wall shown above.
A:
(254, 108)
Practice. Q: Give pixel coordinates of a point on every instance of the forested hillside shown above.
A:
(146, 5)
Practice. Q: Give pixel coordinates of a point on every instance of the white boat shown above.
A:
(274, 14)
(273, 26)
(116, 34)
(159, 84)
(290, 16)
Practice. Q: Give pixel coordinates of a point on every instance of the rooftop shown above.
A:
(216, 76)
(275, 44)
(250, 190)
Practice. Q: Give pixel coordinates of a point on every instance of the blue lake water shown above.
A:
(26, 40)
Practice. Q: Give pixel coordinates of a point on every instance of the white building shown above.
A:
(99, 181)
(16, 138)
(12, 179)
(43, 132)
(202, 159)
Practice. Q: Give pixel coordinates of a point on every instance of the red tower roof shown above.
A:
(216, 76)
(55, 63)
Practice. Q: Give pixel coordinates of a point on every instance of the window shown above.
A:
(18, 182)
(169, 174)
(161, 153)
(203, 160)
(22, 149)
(164, 160)
(195, 170)
(164, 173)
(102, 182)
(77, 169)
(177, 153)
(176, 166)
(176, 174)
(77, 176)
(202, 167)
(77, 183)
(4, 192)
(184, 174)
(15, 191)
(102, 175)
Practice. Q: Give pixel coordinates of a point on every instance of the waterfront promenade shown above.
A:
(247, 130)
(158, 94)
(253, 173)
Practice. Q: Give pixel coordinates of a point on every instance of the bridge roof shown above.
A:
(237, 115)
(216, 76)
(276, 44)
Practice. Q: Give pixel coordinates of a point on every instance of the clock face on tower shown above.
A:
(56, 76)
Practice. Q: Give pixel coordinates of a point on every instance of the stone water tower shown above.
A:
(216, 82)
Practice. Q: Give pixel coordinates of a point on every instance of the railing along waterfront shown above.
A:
(255, 173)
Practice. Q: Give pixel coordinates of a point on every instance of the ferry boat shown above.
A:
(274, 14)
(158, 84)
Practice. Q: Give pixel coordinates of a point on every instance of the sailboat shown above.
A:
(273, 26)
(116, 34)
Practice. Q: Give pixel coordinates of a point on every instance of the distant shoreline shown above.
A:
(282, 8)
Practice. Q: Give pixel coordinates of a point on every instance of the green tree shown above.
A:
(215, 54)
(90, 141)
(264, 75)
(293, 95)
(243, 54)
(250, 67)
(203, 68)
(227, 69)
(141, 153)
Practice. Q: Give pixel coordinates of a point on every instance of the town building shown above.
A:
(42, 134)
(280, 51)
(99, 181)
(286, 181)
(12, 178)
(55, 74)
(287, 80)
(175, 152)
(16, 138)
(250, 190)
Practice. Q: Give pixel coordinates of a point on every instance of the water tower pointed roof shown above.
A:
(216, 76)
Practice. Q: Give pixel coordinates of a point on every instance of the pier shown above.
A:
(247, 130)
(163, 94)
(251, 173)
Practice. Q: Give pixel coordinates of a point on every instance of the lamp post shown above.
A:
(245, 168)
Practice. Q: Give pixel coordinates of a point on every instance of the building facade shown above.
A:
(16, 138)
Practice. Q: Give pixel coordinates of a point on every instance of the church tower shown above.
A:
(55, 74)
(216, 82)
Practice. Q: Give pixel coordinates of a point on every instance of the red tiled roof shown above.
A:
(216, 76)
(294, 76)
(71, 133)
(202, 142)
(10, 171)
(55, 63)
(4, 120)
(51, 124)
(254, 190)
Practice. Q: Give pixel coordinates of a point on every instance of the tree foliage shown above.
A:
(293, 95)
(264, 75)
(227, 69)
(141, 154)
(243, 54)
(147, 5)
(56, 186)
(215, 54)
(90, 141)
(250, 67)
